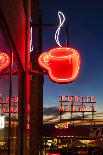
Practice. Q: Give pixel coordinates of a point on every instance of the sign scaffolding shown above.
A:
(81, 110)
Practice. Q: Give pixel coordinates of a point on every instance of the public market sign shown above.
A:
(77, 104)
(87, 99)
(4, 104)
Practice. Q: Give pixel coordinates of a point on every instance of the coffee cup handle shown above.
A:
(44, 60)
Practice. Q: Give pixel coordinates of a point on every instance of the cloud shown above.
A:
(52, 115)
(51, 111)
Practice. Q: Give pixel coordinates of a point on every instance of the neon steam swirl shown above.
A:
(61, 22)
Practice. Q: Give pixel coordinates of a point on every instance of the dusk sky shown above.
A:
(85, 24)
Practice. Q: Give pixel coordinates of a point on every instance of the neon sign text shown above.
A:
(6, 99)
(13, 109)
(77, 108)
(4, 61)
(4, 104)
(80, 99)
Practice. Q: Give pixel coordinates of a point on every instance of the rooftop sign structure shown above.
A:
(77, 104)
(81, 109)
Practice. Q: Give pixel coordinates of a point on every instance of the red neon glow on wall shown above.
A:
(62, 64)
(4, 61)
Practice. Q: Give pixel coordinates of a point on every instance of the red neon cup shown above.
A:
(4, 61)
(62, 64)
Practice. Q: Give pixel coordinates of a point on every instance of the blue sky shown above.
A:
(85, 24)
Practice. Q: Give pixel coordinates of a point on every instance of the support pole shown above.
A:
(10, 95)
(26, 86)
(36, 97)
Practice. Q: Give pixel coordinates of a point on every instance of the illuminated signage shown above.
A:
(77, 104)
(2, 122)
(4, 100)
(77, 108)
(31, 44)
(13, 109)
(4, 104)
(89, 99)
(4, 61)
(62, 64)
(61, 22)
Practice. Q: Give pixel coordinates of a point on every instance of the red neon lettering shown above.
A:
(11, 109)
(70, 98)
(86, 98)
(63, 98)
(81, 108)
(92, 99)
(75, 98)
(81, 99)
(4, 109)
(16, 109)
(7, 99)
(68, 108)
(1, 100)
(15, 99)
(75, 108)
(61, 108)
(87, 108)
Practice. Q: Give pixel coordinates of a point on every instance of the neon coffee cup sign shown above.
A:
(62, 64)
(4, 61)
